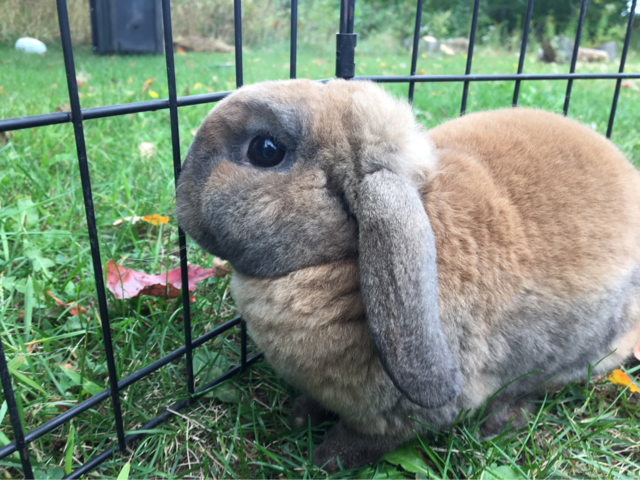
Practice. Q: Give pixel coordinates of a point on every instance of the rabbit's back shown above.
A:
(537, 227)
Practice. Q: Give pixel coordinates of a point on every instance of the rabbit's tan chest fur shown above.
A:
(514, 245)
(312, 328)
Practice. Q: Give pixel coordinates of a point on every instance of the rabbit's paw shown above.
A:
(353, 449)
(305, 410)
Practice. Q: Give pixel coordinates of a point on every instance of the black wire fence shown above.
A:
(345, 68)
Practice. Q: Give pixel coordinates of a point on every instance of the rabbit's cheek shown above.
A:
(268, 223)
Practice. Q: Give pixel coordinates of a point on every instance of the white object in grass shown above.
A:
(31, 45)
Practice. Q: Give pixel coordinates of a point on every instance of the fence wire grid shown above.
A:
(345, 68)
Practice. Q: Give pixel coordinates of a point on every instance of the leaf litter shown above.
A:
(128, 283)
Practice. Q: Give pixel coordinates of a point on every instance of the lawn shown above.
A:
(240, 428)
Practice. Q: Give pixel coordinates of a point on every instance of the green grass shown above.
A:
(240, 429)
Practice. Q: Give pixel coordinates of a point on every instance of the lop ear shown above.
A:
(399, 284)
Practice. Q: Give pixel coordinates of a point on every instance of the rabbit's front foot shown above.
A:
(352, 448)
(305, 410)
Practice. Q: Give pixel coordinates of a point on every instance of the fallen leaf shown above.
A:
(220, 267)
(147, 83)
(128, 283)
(65, 107)
(147, 149)
(618, 377)
(130, 80)
(155, 219)
(197, 86)
(74, 306)
(135, 219)
(181, 51)
(153, 94)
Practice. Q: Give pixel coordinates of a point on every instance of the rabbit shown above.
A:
(398, 277)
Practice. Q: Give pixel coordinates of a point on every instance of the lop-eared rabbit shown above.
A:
(393, 274)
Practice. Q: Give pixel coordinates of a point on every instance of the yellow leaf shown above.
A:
(155, 219)
(130, 80)
(153, 94)
(197, 86)
(618, 377)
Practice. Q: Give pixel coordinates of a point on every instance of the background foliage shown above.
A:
(268, 20)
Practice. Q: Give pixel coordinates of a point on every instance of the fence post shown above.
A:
(346, 41)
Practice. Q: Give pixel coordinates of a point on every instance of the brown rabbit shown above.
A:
(391, 273)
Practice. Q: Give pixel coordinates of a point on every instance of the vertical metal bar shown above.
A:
(574, 56)
(523, 51)
(351, 11)
(416, 44)
(472, 41)
(237, 19)
(14, 416)
(76, 114)
(243, 344)
(347, 12)
(175, 144)
(94, 25)
(293, 39)
(623, 60)
(346, 41)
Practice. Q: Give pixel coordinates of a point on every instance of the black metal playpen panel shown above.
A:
(345, 68)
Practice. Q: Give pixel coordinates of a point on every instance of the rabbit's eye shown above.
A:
(265, 152)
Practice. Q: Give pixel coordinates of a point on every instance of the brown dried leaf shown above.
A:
(147, 84)
(74, 311)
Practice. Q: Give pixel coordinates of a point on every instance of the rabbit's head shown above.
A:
(287, 175)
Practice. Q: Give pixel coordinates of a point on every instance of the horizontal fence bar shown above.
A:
(92, 113)
(496, 78)
(19, 123)
(122, 384)
(154, 422)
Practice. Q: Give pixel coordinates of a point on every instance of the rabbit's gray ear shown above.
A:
(399, 284)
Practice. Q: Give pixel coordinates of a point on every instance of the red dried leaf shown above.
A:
(127, 283)
(74, 306)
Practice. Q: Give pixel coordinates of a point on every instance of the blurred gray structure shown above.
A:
(126, 26)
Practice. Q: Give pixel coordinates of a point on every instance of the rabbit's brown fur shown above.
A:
(535, 221)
